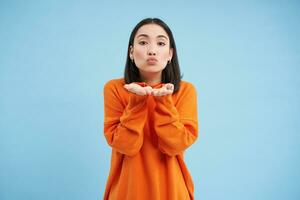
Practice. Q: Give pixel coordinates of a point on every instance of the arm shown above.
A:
(123, 127)
(176, 127)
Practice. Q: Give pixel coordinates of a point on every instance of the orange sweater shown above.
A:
(148, 136)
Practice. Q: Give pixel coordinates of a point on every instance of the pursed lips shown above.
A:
(152, 59)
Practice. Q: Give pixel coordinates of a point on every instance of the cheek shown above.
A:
(139, 52)
(165, 55)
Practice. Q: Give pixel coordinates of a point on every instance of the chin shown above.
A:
(152, 70)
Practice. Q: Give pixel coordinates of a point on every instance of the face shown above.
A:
(151, 49)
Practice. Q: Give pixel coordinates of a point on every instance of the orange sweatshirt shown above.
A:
(148, 136)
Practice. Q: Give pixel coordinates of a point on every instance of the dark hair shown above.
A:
(170, 74)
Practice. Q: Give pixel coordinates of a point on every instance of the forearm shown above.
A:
(175, 133)
(126, 135)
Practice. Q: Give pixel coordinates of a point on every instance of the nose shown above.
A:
(151, 51)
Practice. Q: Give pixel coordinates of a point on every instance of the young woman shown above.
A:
(150, 119)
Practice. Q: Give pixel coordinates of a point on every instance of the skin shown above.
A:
(151, 41)
(148, 90)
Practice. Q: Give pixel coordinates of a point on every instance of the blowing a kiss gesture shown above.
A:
(150, 119)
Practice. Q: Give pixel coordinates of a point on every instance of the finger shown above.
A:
(126, 86)
(161, 92)
(169, 92)
(154, 92)
(169, 86)
(129, 86)
(136, 85)
(148, 90)
(140, 91)
(164, 91)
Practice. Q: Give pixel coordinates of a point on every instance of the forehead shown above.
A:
(151, 30)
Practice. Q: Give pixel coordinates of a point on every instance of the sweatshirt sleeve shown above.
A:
(176, 127)
(123, 125)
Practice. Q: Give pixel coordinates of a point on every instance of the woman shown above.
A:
(150, 120)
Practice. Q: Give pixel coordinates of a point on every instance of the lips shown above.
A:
(151, 60)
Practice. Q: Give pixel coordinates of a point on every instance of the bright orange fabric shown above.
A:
(148, 136)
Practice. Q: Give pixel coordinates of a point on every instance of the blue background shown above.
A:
(242, 56)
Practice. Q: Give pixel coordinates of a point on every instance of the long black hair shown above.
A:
(170, 74)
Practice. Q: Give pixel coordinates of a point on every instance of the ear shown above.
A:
(131, 52)
(170, 53)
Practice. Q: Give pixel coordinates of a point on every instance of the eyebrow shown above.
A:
(145, 35)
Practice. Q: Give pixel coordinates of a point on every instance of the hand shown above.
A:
(164, 90)
(137, 89)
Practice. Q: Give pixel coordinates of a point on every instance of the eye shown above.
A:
(161, 43)
(142, 42)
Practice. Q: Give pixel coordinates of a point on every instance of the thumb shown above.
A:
(169, 86)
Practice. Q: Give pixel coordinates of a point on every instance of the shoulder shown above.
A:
(186, 94)
(187, 90)
(114, 87)
(114, 83)
(186, 86)
(114, 92)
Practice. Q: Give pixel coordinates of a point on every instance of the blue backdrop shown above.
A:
(242, 56)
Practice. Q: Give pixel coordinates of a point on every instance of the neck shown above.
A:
(151, 78)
